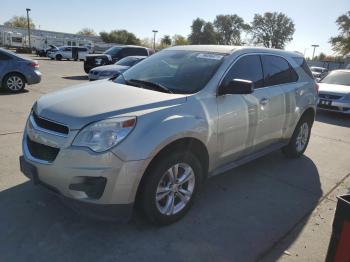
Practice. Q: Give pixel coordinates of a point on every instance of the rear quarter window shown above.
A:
(302, 63)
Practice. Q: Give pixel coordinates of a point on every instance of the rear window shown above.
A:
(277, 71)
(302, 63)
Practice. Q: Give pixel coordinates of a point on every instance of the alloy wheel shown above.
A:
(14, 83)
(302, 137)
(175, 189)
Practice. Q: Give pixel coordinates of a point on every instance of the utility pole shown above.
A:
(28, 24)
(313, 53)
(154, 39)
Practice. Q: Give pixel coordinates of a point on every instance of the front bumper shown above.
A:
(86, 178)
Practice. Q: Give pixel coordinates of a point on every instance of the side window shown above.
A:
(67, 49)
(140, 51)
(82, 49)
(126, 52)
(247, 68)
(277, 70)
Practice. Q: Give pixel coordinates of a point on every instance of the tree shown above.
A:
(341, 43)
(273, 30)
(180, 40)
(147, 42)
(202, 32)
(87, 31)
(209, 36)
(166, 40)
(19, 21)
(195, 37)
(120, 37)
(229, 29)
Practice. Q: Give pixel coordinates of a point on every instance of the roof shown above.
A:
(229, 49)
(225, 49)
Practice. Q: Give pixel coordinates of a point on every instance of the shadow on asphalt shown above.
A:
(238, 216)
(333, 118)
(4, 92)
(82, 77)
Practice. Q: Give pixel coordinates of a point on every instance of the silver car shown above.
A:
(153, 135)
(334, 92)
(111, 71)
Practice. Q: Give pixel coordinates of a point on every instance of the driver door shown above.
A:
(241, 117)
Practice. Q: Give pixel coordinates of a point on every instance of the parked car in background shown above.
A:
(113, 55)
(109, 71)
(334, 92)
(44, 52)
(154, 134)
(318, 72)
(16, 71)
(69, 52)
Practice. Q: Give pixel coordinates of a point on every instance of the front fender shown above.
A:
(151, 137)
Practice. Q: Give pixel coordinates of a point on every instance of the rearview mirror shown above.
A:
(237, 86)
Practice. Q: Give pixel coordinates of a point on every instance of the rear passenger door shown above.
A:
(279, 78)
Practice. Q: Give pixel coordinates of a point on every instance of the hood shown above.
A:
(83, 104)
(332, 88)
(114, 68)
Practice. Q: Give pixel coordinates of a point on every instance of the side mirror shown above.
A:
(237, 86)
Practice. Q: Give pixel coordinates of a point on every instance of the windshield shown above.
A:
(183, 72)
(337, 78)
(128, 61)
(113, 51)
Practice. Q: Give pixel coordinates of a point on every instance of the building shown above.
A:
(40, 39)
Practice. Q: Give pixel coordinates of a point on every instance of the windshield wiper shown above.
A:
(148, 84)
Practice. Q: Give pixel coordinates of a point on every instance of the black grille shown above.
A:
(42, 152)
(49, 125)
(327, 96)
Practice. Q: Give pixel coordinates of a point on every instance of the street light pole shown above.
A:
(154, 39)
(28, 24)
(313, 53)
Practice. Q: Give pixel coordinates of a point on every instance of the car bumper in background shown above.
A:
(340, 106)
(34, 77)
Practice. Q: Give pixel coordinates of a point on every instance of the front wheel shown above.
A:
(300, 139)
(170, 187)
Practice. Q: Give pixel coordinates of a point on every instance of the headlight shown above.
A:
(103, 135)
(106, 73)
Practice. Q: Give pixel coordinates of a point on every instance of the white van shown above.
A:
(69, 52)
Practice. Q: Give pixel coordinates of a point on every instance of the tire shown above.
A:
(14, 83)
(158, 181)
(59, 57)
(300, 138)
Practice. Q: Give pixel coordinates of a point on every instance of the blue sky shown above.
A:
(314, 19)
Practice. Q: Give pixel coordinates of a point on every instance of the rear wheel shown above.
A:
(300, 139)
(14, 83)
(59, 57)
(170, 187)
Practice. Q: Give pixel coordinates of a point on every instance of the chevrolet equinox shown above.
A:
(153, 135)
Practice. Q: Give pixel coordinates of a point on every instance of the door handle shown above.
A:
(264, 101)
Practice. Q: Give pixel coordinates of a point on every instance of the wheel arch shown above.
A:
(192, 144)
(10, 73)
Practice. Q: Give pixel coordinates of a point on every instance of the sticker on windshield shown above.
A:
(210, 56)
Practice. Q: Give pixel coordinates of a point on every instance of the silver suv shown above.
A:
(153, 135)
